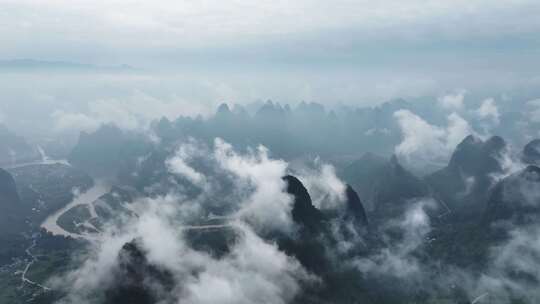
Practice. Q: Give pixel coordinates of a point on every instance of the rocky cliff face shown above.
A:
(303, 211)
(516, 198)
(354, 208)
(464, 184)
(384, 185)
(137, 281)
(45, 188)
(8, 189)
(11, 210)
(531, 153)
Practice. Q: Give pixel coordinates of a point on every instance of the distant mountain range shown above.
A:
(389, 217)
(472, 192)
(516, 198)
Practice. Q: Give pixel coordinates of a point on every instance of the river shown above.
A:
(33, 259)
(86, 198)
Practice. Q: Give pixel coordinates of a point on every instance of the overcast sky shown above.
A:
(293, 32)
(192, 55)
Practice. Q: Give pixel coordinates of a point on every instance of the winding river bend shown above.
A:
(86, 198)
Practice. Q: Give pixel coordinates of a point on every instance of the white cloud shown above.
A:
(489, 110)
(186, 24)
(456, 130)
(397, 259)
(254, 271)
(131, 112)
(518, 255)
(268, 205)
(511, 272)
(178, 164)
(533, 111)
(64, 121)
(510, 163)
(427, 142)
(452, 102)
(327, 191)
(418, 135)
(375, 131)
(257, 191)
(99, 112)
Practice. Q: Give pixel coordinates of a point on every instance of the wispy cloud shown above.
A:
(426, 142)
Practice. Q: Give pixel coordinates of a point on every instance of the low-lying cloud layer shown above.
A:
(255, 270)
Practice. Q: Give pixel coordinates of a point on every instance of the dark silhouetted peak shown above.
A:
(303, 211)
(136, 281)
(8, 189)
(466, 149)
(270, 105)
(132, 253)
(164, 128)
(355, 209)
(465, 183)
(102, 139)
(531, 173)
(531, 152)
(12, 211)
(383, 183)
(495, 143)
(110, 149)
(474, 156)
(297, 189)
(270, 110)
(516, 198)
(470, 140)
(223, 109)
(164, 122)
